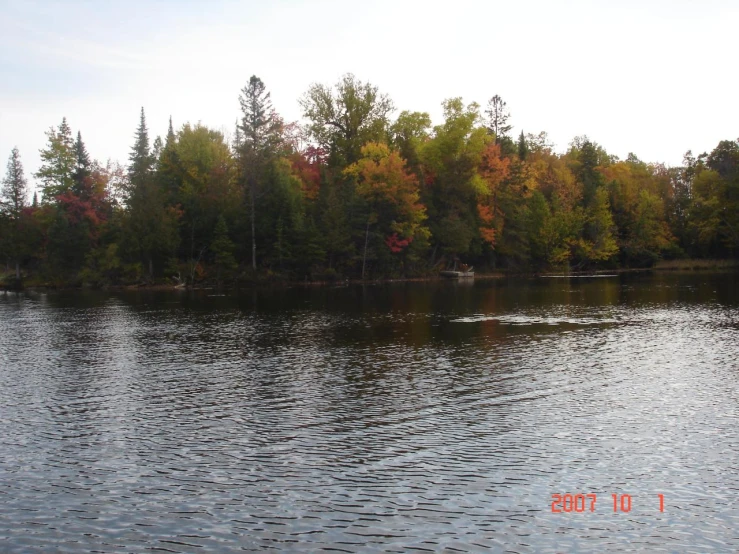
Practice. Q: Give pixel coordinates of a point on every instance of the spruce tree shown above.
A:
(156, 152)
(141, 158)
(523, 147)
(14, 200)
(222, 248)
(144, 201)
(168, 168)
(170, 140)
(82, 172)
(261, 128)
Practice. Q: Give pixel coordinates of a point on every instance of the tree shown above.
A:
(392, 195)
(152, 224)
(636, 201)
(169, 169)
(452, 183)
(715, 212)
(14, 201)
(141, 158)
(598, 243)
(586, 170)
(493, 171)
(344, 119)
(261, 130)
(724, 159)
(222, 248)
(408, 133)
(58, 162)
(523, 147)
(81, 174)
(498, 115)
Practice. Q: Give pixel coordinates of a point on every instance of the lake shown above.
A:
(406, 417)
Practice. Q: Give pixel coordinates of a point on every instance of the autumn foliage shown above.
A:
(352, 192)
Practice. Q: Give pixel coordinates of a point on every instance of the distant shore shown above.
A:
(662, 265)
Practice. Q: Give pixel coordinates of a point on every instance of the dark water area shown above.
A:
(416, 417)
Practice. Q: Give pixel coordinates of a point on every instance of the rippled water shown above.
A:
(396, 418)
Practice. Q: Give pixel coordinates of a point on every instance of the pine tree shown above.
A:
(588, 174)
(261, 128)
(14, 199)
(145, 203)
(498, 115)
(523, 147)
(58, 162)
(170, 139)
(82, 173)
(141, 158)
(168, 168)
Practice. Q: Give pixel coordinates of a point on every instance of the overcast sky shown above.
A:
(651, 77)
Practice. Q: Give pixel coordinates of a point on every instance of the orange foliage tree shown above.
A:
(392, 195)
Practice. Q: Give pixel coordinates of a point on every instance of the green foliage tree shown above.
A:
(451, 159)
(82, 170)
(353, 194)
(497, 118)
(58, 162)
(345, 118)
(141, 159)
(152, 225)
(223, 248)
(14, 200)
(261, 133)
(208, 187)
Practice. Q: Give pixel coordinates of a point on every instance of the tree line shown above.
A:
(355, 193)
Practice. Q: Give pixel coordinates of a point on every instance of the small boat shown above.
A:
(453, 274)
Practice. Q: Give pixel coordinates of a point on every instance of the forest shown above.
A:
(354, 193)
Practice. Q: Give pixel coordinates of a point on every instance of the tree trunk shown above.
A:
(253, 236)
(17, 270)
(364, 256)
(151, 267)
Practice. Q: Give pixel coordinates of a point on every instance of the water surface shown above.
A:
(393, 418)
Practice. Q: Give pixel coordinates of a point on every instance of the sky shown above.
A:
(652, 77)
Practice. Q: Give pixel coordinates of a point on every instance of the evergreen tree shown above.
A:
(156, 152)
(82, 173)
(152, 225)
(238, 140)
(58, 162)
(498, 115)
(168, 168)
(587, 172)
(223, 248)
(261, 128)
(170, 133)
(141, 158)
(14, 200)
(523, 147)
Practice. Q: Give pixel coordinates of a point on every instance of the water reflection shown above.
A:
(427, 416)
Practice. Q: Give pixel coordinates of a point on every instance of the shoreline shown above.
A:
(662, 266)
